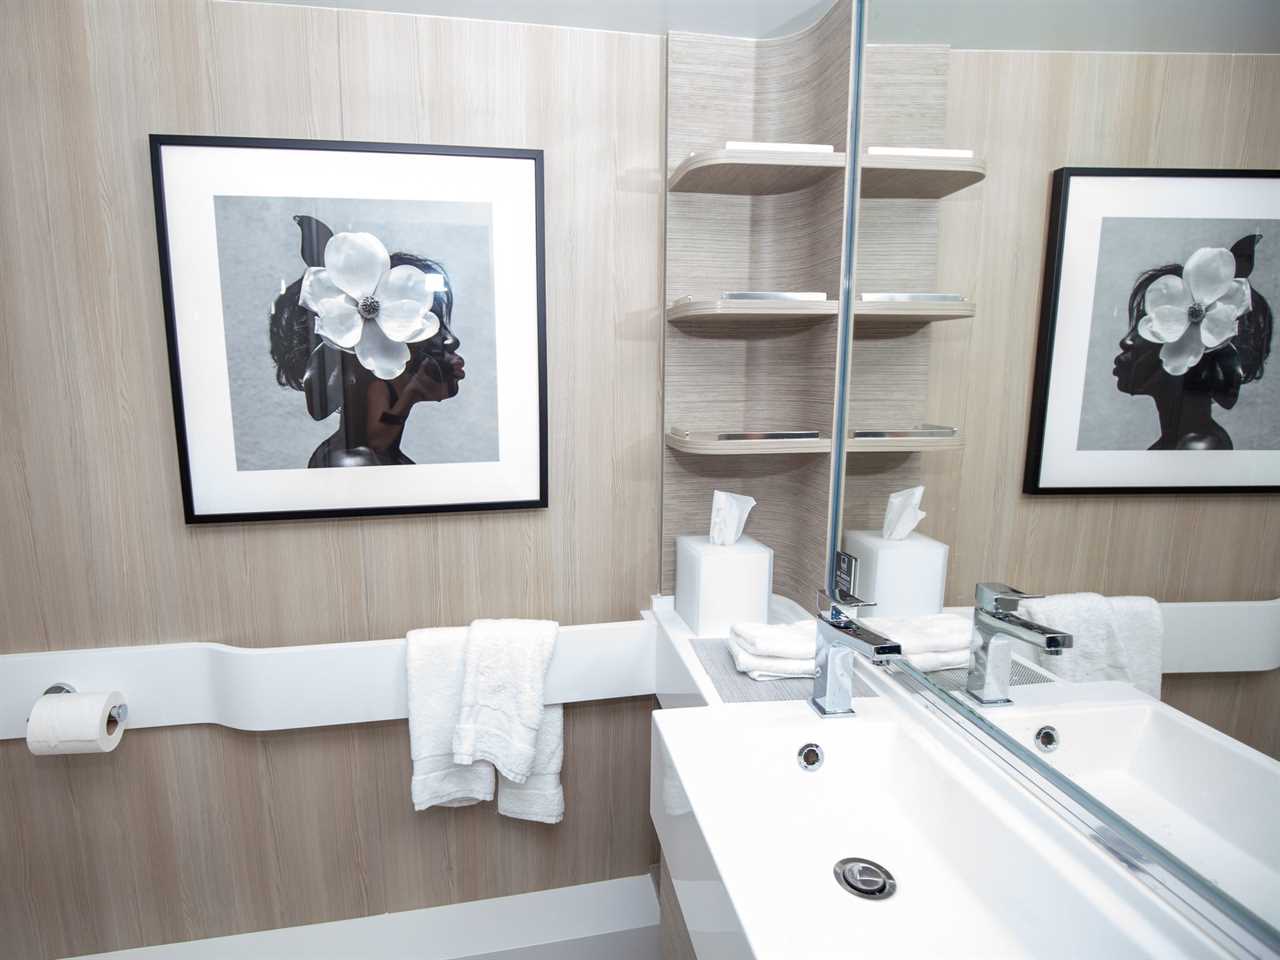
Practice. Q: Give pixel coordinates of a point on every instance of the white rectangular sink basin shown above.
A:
(1209, 800)
(982, 868)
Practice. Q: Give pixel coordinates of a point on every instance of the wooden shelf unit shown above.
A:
(775, 220)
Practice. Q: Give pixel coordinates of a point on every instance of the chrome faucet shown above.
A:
(995, 620)
(840, 636)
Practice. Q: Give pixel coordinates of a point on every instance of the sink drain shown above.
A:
(865, 878)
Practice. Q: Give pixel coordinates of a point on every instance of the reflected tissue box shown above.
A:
(718, 585)
(905, 578)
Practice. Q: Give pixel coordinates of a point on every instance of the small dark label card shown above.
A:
(844, 576)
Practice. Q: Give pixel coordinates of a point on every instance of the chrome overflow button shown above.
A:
(810, 757)
(865, 878)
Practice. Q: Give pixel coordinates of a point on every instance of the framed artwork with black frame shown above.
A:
(1156, 329)
(353, 328)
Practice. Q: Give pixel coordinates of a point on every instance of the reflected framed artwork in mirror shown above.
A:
(1156, 330)
(334, 307)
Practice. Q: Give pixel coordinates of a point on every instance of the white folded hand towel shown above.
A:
(540, 797)
(502, 710)
(1117, 638)
(769, 668)
(932, 633)
(790, 641)
(936, 641)
(434, 661)
(948, 660)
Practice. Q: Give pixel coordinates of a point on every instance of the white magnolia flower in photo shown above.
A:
(364, 305)
(1196, 312)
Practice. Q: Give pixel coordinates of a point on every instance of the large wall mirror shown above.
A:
(1091, 656)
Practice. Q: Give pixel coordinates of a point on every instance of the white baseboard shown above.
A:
(617, 919)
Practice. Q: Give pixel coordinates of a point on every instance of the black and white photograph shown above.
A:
(390, 319)
(1157, 334)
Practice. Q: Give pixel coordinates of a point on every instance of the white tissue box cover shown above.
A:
(905, 578)
(720, 585)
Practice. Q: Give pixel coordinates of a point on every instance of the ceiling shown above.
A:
(1220, 26)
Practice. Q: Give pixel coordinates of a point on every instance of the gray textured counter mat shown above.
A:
(735, 687)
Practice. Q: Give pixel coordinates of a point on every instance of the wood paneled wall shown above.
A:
(197, 832)
(1027, 113)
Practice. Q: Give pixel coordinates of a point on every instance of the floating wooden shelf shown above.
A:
(752, 172)
(919, 439)
(917, 178)
(711, 443)
(762, 172)
(912, 311)
(753, 311)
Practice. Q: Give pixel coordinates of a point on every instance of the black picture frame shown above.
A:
(1059, 206)
(158, 143)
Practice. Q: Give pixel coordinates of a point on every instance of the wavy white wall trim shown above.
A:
(614, 918)
(279, 688)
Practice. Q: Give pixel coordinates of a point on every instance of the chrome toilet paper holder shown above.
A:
(119, 713)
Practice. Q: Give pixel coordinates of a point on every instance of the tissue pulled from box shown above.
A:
(903, 513)
(728, 516)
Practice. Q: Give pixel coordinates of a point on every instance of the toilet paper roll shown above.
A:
(63, 723)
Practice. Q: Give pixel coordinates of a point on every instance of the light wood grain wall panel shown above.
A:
(893, 367)
(1027, 114)
(196, 832)
(904, 101)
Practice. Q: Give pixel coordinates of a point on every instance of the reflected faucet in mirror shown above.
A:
(995, 621)
(840, 636)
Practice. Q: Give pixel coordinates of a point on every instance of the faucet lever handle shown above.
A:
(842, 610)
(1000, 597)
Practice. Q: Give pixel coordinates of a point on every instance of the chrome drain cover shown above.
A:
(865, 878)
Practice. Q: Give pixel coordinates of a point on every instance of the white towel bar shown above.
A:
(317, 685)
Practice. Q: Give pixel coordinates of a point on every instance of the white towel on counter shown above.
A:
(1116, 638)
(929, 662)
(790, 641)
(769, 668)
(540, 797)
(937, 641)
(506, 666)
(434, 660)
